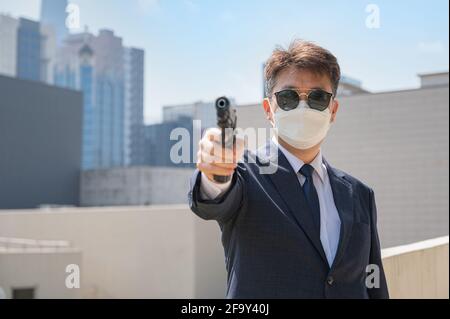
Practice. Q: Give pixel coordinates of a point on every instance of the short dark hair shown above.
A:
(302, 55)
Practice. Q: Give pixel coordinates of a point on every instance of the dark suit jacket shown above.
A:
(271, 247)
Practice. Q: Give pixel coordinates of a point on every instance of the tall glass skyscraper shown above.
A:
(29, 50)
(112, 84)
(86, 73)
(53, 12)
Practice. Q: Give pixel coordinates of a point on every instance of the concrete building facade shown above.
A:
(159, 143)
(134, 186)
(40, 139)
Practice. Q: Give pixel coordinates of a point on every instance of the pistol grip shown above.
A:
(222, 179)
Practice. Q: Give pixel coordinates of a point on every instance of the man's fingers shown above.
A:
(223, 155)
(214, 169)
(213, 158)
(213, 134)
(217, 160)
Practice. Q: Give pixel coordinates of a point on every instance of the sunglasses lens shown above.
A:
(319, 100)
(287, 99)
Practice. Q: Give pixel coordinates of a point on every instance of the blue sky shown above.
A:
(200, 49)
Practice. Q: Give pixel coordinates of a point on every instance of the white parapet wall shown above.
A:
(130, 252)
(40, 267)
(419, 270)
(168, 252)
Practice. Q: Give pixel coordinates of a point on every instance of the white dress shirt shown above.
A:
(330, 223)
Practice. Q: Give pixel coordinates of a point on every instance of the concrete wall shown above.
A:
(134, 186)
(40, 143)
(397, 143)
(434, 79)
(419, 270)
(132, 252)
(41, 269)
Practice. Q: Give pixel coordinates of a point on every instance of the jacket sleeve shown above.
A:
(375, 254)
(223, 208)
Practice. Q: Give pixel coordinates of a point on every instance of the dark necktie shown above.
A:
(311, 194)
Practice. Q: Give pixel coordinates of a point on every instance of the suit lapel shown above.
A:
(343, 199)
(288, 186)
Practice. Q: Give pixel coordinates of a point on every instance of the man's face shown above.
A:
(302, 80)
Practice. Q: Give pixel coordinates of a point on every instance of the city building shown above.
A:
(8, 49)
(349, 86)
(200, 111)
(48, 53)
(158, 144)
(131, 186)
(112, 83)
(40, 139)
(433, 79)
(53, 13)
(28, 49)
(134, 106)
(110, 76)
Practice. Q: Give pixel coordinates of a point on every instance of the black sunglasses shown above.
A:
(316, 99)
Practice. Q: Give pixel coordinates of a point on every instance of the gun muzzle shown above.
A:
(222, 103)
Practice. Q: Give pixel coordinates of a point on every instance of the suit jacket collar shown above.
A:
(343, 199)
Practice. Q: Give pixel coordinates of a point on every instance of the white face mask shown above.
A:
(302, 127)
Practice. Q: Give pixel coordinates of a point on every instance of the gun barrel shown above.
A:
(226, 120)
(222, 103)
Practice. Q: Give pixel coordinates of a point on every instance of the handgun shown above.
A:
(226, 121)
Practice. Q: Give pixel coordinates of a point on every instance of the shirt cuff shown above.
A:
(210, 190)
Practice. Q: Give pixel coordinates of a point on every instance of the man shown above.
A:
(304, 229)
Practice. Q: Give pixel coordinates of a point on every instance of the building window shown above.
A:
(23, 293)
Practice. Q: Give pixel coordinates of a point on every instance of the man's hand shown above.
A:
(213, 159)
